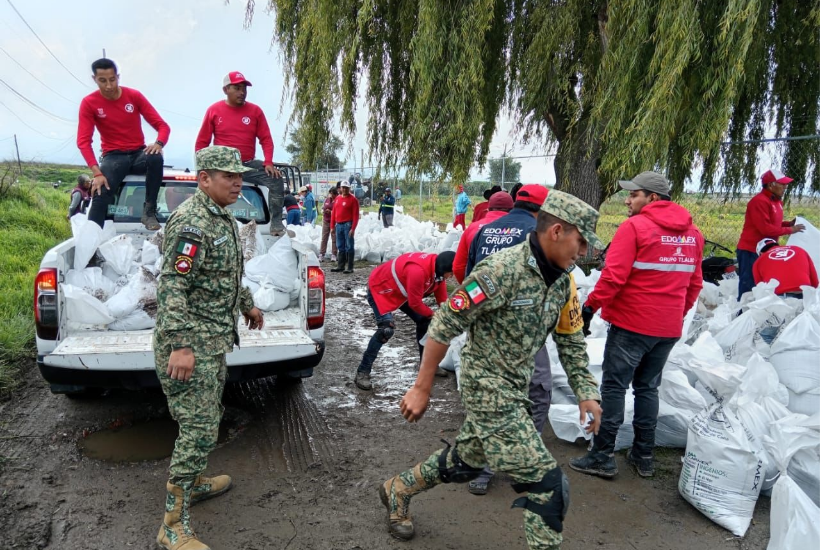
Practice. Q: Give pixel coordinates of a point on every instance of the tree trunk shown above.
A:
(576, 168)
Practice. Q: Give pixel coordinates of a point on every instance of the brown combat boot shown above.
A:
(395, 494)
(149, 216)
(210, 487)
(176, 533)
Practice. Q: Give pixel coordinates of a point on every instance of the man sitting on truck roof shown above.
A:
(238, 123)
(116, 112)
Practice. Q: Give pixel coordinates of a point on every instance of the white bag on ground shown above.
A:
(723, 466)
(737, 339)
(83, 308)
(793, 516)
(795, 354)
(119, 253)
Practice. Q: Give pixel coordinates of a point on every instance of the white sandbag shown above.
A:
(92, 281)
(721, 317)
(140, 291)
(807, 402)
(278, 266)
(269, 298)
(808, 240)
(119, 253)
(136, 320)
(795, 354)
(253, 286)
(761, 380)
(150, 253)
(87, 237)
(710, 295)
(723, 465)
(566, 422)
(83, 308)
(452, 359)
(737, 339)
(676, 391)
(804, 469)
(794, 515)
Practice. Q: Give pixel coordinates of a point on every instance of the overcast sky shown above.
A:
(176, 53)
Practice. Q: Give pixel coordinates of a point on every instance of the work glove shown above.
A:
(586, 314)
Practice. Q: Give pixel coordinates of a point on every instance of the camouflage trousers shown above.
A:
(506, 442)
(196, 405)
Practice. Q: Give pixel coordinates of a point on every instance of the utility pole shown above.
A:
(103, 52)
(19, 164)
(503, 165)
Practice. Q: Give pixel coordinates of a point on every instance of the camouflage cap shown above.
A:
(576, 212)
(222, 158)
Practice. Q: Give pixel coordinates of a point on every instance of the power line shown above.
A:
(26, 124)
(44, 45)
(35, 77)
(27, 100)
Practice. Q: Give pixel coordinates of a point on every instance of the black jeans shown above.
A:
(276, 189)
(639, 359)
(375, 344)
(115, 165)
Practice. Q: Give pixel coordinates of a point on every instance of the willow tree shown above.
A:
(618, 87)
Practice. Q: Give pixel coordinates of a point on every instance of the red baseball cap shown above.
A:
(235, 77)
(532, 192)
(500, 201)
(775, 176)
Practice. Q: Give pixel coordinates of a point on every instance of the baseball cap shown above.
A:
(235, 77)
(386, 189)
(219, 157)
(647, 181)
(573, 210)
(764, 243)
(303, 189)
(775, 176)
(345, 183)
(500, 201)
(533, 193)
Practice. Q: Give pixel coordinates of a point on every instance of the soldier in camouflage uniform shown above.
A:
(508, 305)
(200, 296)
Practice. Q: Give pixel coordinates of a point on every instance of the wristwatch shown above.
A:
(160, 143)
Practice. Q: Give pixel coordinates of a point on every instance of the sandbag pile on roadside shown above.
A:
(118, 291)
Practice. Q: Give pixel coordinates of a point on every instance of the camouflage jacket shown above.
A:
(508, 310)
(200, 292)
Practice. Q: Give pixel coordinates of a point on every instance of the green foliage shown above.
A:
(511, 170)
(32, 220)
(620, 86)
(329, 156)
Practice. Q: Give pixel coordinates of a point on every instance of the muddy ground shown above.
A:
(306, 460)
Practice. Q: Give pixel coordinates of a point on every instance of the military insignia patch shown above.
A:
(476, 294)
(183, 265)
(459, 301)
(187, 248)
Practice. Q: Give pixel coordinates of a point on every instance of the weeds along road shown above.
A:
(307, 460)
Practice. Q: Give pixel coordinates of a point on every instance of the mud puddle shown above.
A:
(149, 440)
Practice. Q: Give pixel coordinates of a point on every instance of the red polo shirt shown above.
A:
(345, 209)
(237, 127)
(764, 218)
(790, 265)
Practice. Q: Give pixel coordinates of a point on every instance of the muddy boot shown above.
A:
(595, 463)
(349, 262)
(395, 494)
(340, 266)
(149, 216)
(210, 487)
(176, 533)
(362, 381)
(276, 200)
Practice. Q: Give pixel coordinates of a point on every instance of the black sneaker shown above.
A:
(362, 381)
(595, 463)
(644, 465)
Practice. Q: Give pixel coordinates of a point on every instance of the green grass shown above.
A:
(32, 220)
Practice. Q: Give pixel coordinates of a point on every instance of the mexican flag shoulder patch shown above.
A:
(475, 292)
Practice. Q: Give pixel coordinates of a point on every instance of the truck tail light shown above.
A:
(45, 304)
(316, 297)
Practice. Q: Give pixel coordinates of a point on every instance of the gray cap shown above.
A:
(648, 181)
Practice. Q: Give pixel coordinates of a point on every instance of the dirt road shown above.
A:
(306, 461)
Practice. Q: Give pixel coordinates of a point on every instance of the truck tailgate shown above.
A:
(132, 350)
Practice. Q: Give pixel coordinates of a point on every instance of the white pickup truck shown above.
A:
(78, 361)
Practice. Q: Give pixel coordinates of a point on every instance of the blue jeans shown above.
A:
(745, 262)
(639, 359)
(385, 321)
(294, 217)
(344, 240)
(115, 165)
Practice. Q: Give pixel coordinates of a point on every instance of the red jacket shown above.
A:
(345, 209)
(416, 274)
(764, 218)
(790, 265)
(463, 250)
(653, 274)
(237, 127)
(118, 121)
(480, 211)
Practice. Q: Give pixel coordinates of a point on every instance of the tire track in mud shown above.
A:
(292, 435)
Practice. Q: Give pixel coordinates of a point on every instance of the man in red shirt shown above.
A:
(500, 204)
(790, 265)
(402, 284)
(343, 220)
(482, 208)
(651, 279)
(764, 218)
(116, 112)
(238, 123)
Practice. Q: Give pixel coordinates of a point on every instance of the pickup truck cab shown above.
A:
(75, 359)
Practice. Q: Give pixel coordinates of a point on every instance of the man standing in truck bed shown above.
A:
(117, 113)
(238, 123)
(200, 296)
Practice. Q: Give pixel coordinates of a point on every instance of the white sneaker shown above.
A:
(321, 257)
(333, 258)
